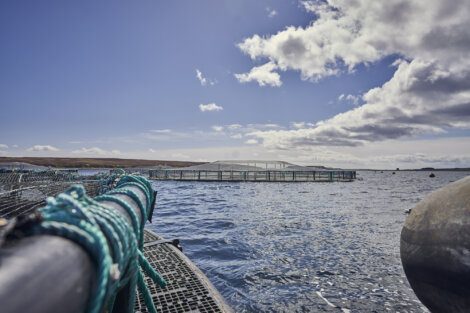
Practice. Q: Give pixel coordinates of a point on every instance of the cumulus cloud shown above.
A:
(264, 75)
(210, 107)
(428, 93)
(42, 148)
(203, 80)
(3, 146)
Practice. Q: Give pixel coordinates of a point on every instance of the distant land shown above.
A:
(94, 162)
(116, 163)
(424, 169)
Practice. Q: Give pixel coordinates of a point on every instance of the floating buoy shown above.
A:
(432, 175)
(434, 248)
(393, 173)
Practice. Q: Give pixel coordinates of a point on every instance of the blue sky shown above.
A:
(119, 79)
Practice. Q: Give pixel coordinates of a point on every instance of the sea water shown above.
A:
(299, 247)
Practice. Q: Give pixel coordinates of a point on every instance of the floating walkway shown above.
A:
(252, 171)
(187, 289)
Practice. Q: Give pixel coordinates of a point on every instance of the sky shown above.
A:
(344, 83)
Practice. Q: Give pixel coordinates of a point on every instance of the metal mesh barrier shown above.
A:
(187, 290)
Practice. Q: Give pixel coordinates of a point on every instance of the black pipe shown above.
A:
(49, 274)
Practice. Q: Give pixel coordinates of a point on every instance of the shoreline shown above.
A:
(59, 162)
(96, 163)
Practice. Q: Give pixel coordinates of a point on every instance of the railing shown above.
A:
(259, 176)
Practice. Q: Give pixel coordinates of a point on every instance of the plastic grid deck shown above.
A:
(187, 290)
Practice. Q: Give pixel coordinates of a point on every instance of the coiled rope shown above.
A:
(114, 245)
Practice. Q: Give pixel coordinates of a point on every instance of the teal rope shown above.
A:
(94, 226)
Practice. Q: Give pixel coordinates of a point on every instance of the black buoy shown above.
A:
(432, 175)
(435, 248)
(393, 173)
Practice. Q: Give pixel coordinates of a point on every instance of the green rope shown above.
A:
(114, 245)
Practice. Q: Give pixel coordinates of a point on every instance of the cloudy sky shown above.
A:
(352, 83)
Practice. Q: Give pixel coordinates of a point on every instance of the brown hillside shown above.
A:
(95, 162)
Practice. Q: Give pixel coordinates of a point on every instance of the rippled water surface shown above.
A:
(299, 247)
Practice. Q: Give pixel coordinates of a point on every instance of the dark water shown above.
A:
(299, 247)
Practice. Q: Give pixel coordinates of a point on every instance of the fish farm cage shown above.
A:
(252, 171)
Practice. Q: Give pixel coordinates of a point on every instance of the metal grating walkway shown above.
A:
(187, 290)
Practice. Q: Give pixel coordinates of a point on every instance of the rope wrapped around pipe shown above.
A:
(114, 245)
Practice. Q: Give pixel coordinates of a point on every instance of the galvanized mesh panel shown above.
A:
(186, 290)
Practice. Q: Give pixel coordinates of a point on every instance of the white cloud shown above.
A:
(271, 12)
(203, 80)
(236, 136)
(429, 92)
(300, 125)
(161, 131)
(251, 142)
(43, 148)
(91, 151)
(234, 126)
(210, 107)
(3, 146)
(271, 125)
(374, 155)
(217, 128)
(350, 98)
(264, 75)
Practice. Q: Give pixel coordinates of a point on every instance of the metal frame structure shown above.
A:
(252, 171)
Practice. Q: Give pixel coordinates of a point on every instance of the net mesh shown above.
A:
(21, 192)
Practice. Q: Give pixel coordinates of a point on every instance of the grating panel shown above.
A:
(187, 290)
(149, 237)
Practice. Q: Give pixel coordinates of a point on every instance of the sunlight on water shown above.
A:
(285, 247)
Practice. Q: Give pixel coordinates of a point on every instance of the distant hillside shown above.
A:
(95, 162)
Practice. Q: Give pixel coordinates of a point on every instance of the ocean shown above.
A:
(299, 247)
